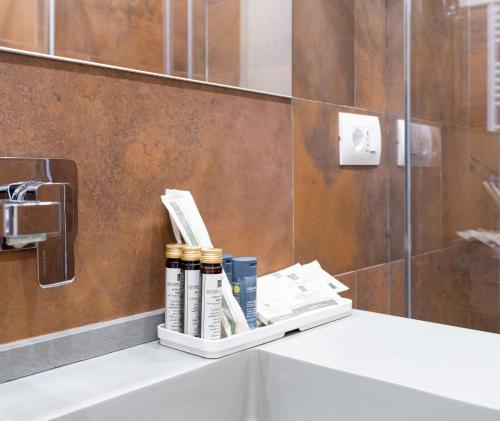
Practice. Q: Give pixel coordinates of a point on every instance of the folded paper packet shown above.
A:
(488, 238)
(296, 290)
(189, 228)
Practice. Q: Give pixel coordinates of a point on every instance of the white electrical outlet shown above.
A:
(360, 139)
(425, 144)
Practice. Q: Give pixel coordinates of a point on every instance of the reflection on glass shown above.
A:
(244, 43)
(24, 25)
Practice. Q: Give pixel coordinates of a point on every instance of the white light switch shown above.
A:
(360, 139)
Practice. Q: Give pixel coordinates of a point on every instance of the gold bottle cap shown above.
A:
(174, 250)
(191, 254)
(211, 255)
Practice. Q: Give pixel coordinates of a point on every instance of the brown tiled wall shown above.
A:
(130, 33)
(348, 56)
(454, 282)
(23, 24)
(122, 33)
(342, 214)
(131, 137)
(255, 162)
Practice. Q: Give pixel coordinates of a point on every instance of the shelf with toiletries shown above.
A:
(215, 305)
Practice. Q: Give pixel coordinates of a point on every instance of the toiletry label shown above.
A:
(211, 306)
(186, 221)
(236, 291)
(174, 300)
(192, 302)
(250, 301)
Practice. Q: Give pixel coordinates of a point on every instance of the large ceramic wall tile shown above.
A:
(323, 50)
(370, 58)
(437, 296)
(24, 24)
(484, 166)
(456, 183)
(131, 137)
(426, 183)
(371, 289)
(349, 280)
(458, 286)
(426, 210)
(223, 53)
(439, 61)
(470, 157)
(397, 288)
(121, 32)
(478, 65)
(395, 98)
(340, 212)
(396, 191)
(479, 266)
(179, 39)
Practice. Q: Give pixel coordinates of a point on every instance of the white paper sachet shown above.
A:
(488, 238)
(291, 292)
(186, 217)
(314, 270)
(187, 222)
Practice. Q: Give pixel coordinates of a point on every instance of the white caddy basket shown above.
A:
(222, 347)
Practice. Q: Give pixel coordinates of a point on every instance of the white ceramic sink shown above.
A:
(259, 386)
(364, 367)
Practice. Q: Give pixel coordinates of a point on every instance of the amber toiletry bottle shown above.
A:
(190, 265)
(174, 288)
(211, 295)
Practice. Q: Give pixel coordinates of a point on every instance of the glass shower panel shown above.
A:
(455, 164)
(395, 138)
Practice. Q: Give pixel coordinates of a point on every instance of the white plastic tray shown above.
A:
(222, 347)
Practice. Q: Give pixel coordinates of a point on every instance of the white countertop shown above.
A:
(62, 390)
(457, 363)
(452, 362)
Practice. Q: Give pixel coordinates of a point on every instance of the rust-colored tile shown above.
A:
(456, 183)
(426, 209)
(371, 289)
(178, 13)
(397, 288)
(323, 50)
(179, 42)
(127, 33)
(224, 41)
(480, 267)
(458, 286)
(436, 297)
(24, 24)
(439, 62)
(478, 65)
(370, 54)
(132, 136)
(396, 192)
(349, 279)
(340, 212)
(484, 165)
(426, 196)
(395, 98)
(469, 157)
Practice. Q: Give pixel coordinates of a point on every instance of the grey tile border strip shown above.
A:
(30, 356)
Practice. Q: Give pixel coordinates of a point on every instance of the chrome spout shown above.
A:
(40, 213)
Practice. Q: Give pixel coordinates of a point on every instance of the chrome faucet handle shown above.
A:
(25, 223)
(40, 212)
